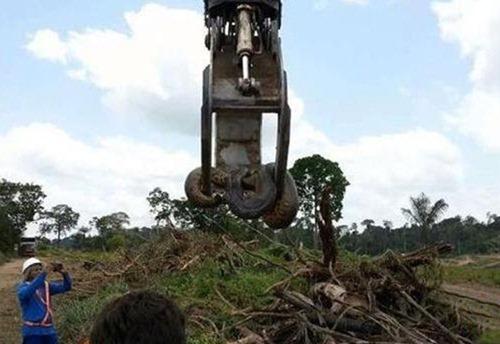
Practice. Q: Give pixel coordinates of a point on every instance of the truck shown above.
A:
(27, 247)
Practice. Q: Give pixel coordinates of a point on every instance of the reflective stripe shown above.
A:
(47, 319)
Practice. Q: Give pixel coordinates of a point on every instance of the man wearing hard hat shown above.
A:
(35, 294)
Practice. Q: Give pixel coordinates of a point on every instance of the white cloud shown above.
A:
(47, 44)
(152, 69)
(478, 115)
(475, 26)
(385, 170)
(115, 173)
(109, 175)
(155, 71)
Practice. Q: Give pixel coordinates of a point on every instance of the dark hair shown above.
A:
(139, 317)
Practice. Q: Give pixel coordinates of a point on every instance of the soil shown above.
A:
(481, 303)
(10, 322)
(475, 291)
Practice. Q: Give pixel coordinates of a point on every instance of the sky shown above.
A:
(100, 101)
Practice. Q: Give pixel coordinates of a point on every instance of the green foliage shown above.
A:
(59, 220)
(301, 234)
(467, 235)
(473, 274)
(3, 258)
(424, 214)
(108, 224)
(204, 339)
(184, 214)
(490, 337)
(116, 241)
(245, 288)
(312, 174)
(431, 275)
(75, 317)
(20, 204)
(170, 212)
(162, 207)
(197, 289)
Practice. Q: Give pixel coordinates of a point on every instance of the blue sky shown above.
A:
(100, 107)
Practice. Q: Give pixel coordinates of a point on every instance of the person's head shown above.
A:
(140, 317)
(31, 269)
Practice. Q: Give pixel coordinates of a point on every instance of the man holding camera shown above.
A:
(34, 295)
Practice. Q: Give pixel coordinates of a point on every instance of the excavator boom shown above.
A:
(244, 80)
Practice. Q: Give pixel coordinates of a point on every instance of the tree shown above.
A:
(492, 218)
(183, 213)
(368, 223)
(388, 224)
(313, 175)
(162, 207)
(20, 204)
(112, 223)
(424, 214)
(327, 232)
(60, 220)
(84, 230)
(108, 226)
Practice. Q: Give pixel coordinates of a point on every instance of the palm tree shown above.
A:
(424, 214)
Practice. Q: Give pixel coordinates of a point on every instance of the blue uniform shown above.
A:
(34, 298)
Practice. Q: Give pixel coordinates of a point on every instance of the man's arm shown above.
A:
(61, 286)
(26, 290)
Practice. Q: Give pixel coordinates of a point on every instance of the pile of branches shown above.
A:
(388, 299)
(383, 300)
(380, 301)
(173, 251)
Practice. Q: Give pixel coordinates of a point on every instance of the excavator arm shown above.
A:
(244, 80)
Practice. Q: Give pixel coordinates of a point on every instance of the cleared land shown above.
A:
(9, 309)
(472, 284)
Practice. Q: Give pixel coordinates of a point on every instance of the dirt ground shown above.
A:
(481, 293)
(480, 303)
(10, 322)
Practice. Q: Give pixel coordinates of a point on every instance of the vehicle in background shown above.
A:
(27, 247)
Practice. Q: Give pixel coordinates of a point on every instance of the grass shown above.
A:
(3, 258)
(472, 274)
(490, 337)
(214, 289)
(75, 317)
(209, 290)
(74, 255)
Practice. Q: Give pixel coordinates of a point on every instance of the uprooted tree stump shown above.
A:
(327, 231)
(377, 301)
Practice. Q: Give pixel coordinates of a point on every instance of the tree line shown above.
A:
(21, 204)
(467, 234)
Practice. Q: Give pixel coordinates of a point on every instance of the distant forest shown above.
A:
(468, 235)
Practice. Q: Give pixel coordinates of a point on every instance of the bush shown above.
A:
(472, 274)
(490, 337)
(115, 242)
(77, 316)
(3, 258)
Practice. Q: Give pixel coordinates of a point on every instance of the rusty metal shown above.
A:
(244, 80)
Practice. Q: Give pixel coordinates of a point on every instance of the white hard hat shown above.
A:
(30, 262)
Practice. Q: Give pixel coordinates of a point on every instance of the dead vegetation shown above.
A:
(383, 300)
(174, 251)
(388, 299)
